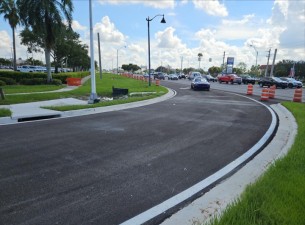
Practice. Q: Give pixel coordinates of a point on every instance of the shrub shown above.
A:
(2, 83)
(56, 82)
(8, 81)
(34, 81)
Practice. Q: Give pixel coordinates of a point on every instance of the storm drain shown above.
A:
(25, 119)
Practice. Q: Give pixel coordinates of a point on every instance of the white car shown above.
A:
(292, 83)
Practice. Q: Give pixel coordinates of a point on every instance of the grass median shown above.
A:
(278, 196)
(103, 89)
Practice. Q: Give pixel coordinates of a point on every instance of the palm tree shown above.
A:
(199, 58)
(9, 9)
(44, 18)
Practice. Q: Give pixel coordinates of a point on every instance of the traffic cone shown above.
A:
(250, 89)
(297, 95)
(265, 94)
(272, 91)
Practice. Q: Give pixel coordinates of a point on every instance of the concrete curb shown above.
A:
(34, 110)
(217, 199)
(169, 205)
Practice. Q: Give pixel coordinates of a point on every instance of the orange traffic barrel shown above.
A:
(250, 89)
(265, 94)
(297, 95)
(157, 82)
(272, 91)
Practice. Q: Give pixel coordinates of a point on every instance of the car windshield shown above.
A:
(277, 79)
(200, 79)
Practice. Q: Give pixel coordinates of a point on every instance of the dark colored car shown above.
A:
(159, 76)
(247, 79)
(270, 81)
(210, 78)
(200, 83)
(181, 75)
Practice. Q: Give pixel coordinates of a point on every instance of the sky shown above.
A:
(240, 28)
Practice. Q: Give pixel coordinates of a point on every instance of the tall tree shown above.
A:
(44, 17)
(9, 10)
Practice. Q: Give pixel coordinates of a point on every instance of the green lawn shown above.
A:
(5, 112)
(15, 89)
(278, 197)
(103, 88)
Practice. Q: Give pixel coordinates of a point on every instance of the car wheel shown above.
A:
(261, 85)
(232, 82)
(290, 85)
(227, 82)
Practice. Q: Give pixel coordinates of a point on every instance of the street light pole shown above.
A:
(256, 56)
(117, 59)
(148, 20)
(93, 96)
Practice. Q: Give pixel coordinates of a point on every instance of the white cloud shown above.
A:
(167, 39)
(5, 44)
(246, 19)
(213, 8)
(108, 32)
(77, 26)
(159, 4)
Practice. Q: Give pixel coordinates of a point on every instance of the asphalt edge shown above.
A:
(214, 202)
(169, 207)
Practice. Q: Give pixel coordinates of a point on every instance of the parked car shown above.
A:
(200, 83)
(173, 77)
(159, 76)
(270, 81)
(229, 78)
(181, 75)
(192, 75)
(247, 79)
(210, 78)
(292, 83)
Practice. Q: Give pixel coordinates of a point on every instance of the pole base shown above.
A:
(94, 99)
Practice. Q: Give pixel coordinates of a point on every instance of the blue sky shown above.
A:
(192, 27)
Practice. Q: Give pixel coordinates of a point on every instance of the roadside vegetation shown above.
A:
(278, 196)
(5, 112)
(103, 89)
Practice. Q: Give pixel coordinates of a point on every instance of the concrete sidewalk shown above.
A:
(33, 111)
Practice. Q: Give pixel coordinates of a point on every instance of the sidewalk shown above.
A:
(33, 111)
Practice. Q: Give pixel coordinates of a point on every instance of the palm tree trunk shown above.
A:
(48, 64)
(14, 49)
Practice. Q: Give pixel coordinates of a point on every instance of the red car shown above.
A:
(229, 78)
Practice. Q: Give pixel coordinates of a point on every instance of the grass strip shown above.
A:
(5, 112)
(15, 89)
(103, 88)
(278, 196)
(104, 103)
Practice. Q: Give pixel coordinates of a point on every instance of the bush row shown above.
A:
(12, 77)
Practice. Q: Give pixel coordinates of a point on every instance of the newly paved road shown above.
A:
(107, 168)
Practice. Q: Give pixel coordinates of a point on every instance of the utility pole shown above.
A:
(223, 61)
(267, 62)
(181, 64)
(272, 68)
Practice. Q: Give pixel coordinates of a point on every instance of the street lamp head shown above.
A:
(163, 20)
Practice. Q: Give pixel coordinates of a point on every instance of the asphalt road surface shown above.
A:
(107, 168)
